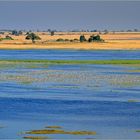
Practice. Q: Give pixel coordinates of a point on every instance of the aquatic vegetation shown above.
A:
(124, 80)
(74, 61)
(132, 101)
(24, 79)
(97, 83)
(138, 131)
(35, 137)
(7, 65)
(135, 70)
(54, 127)
(56, 131)
(68, 79)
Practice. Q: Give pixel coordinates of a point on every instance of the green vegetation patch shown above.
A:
(54, 127)
(124, 80)
(132, 101)
(35, 137)
(6, 38)
(136, 70)
(74, 61)
(56, 131)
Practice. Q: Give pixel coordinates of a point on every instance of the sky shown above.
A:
(70, 15)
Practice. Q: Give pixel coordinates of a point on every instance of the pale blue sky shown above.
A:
(70, 15)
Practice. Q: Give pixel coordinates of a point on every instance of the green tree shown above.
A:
(95, 38)
(20, 33)
(82, 38)
(52, 33)
(14, 32)
(106, 31)
(33, 37)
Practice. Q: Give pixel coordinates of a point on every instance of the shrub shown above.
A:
(60, 40)
(71, 40)
(67, 40)
(75, 39)
(8, 37)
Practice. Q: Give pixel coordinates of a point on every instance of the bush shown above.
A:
(82, 38)
(67, 40)
(75, 39)
(71, 40)
(60, 40)
(6, 38)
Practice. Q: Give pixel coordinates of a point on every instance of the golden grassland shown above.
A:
(113, 41)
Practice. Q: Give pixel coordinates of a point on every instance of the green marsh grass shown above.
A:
(54, 127)
(35, 137)
(56, 131)
(74, 61)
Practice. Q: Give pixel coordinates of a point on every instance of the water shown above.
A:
(101, 98)
(68, 54)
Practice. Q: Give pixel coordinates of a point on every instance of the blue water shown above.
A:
(68, 54)
(75, 97)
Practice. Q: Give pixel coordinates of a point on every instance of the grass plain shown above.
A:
(113, 41)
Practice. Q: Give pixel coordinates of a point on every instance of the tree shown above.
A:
(2, 33)
(95, 38)
(106, 31)
(27, 33)
(14, 32)
(94, 30)
(82, 38)
(129, 30)
(33, 37)
(135, 30)
(19, 32)
(52, 33)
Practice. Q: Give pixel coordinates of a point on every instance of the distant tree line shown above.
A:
(15, 32)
